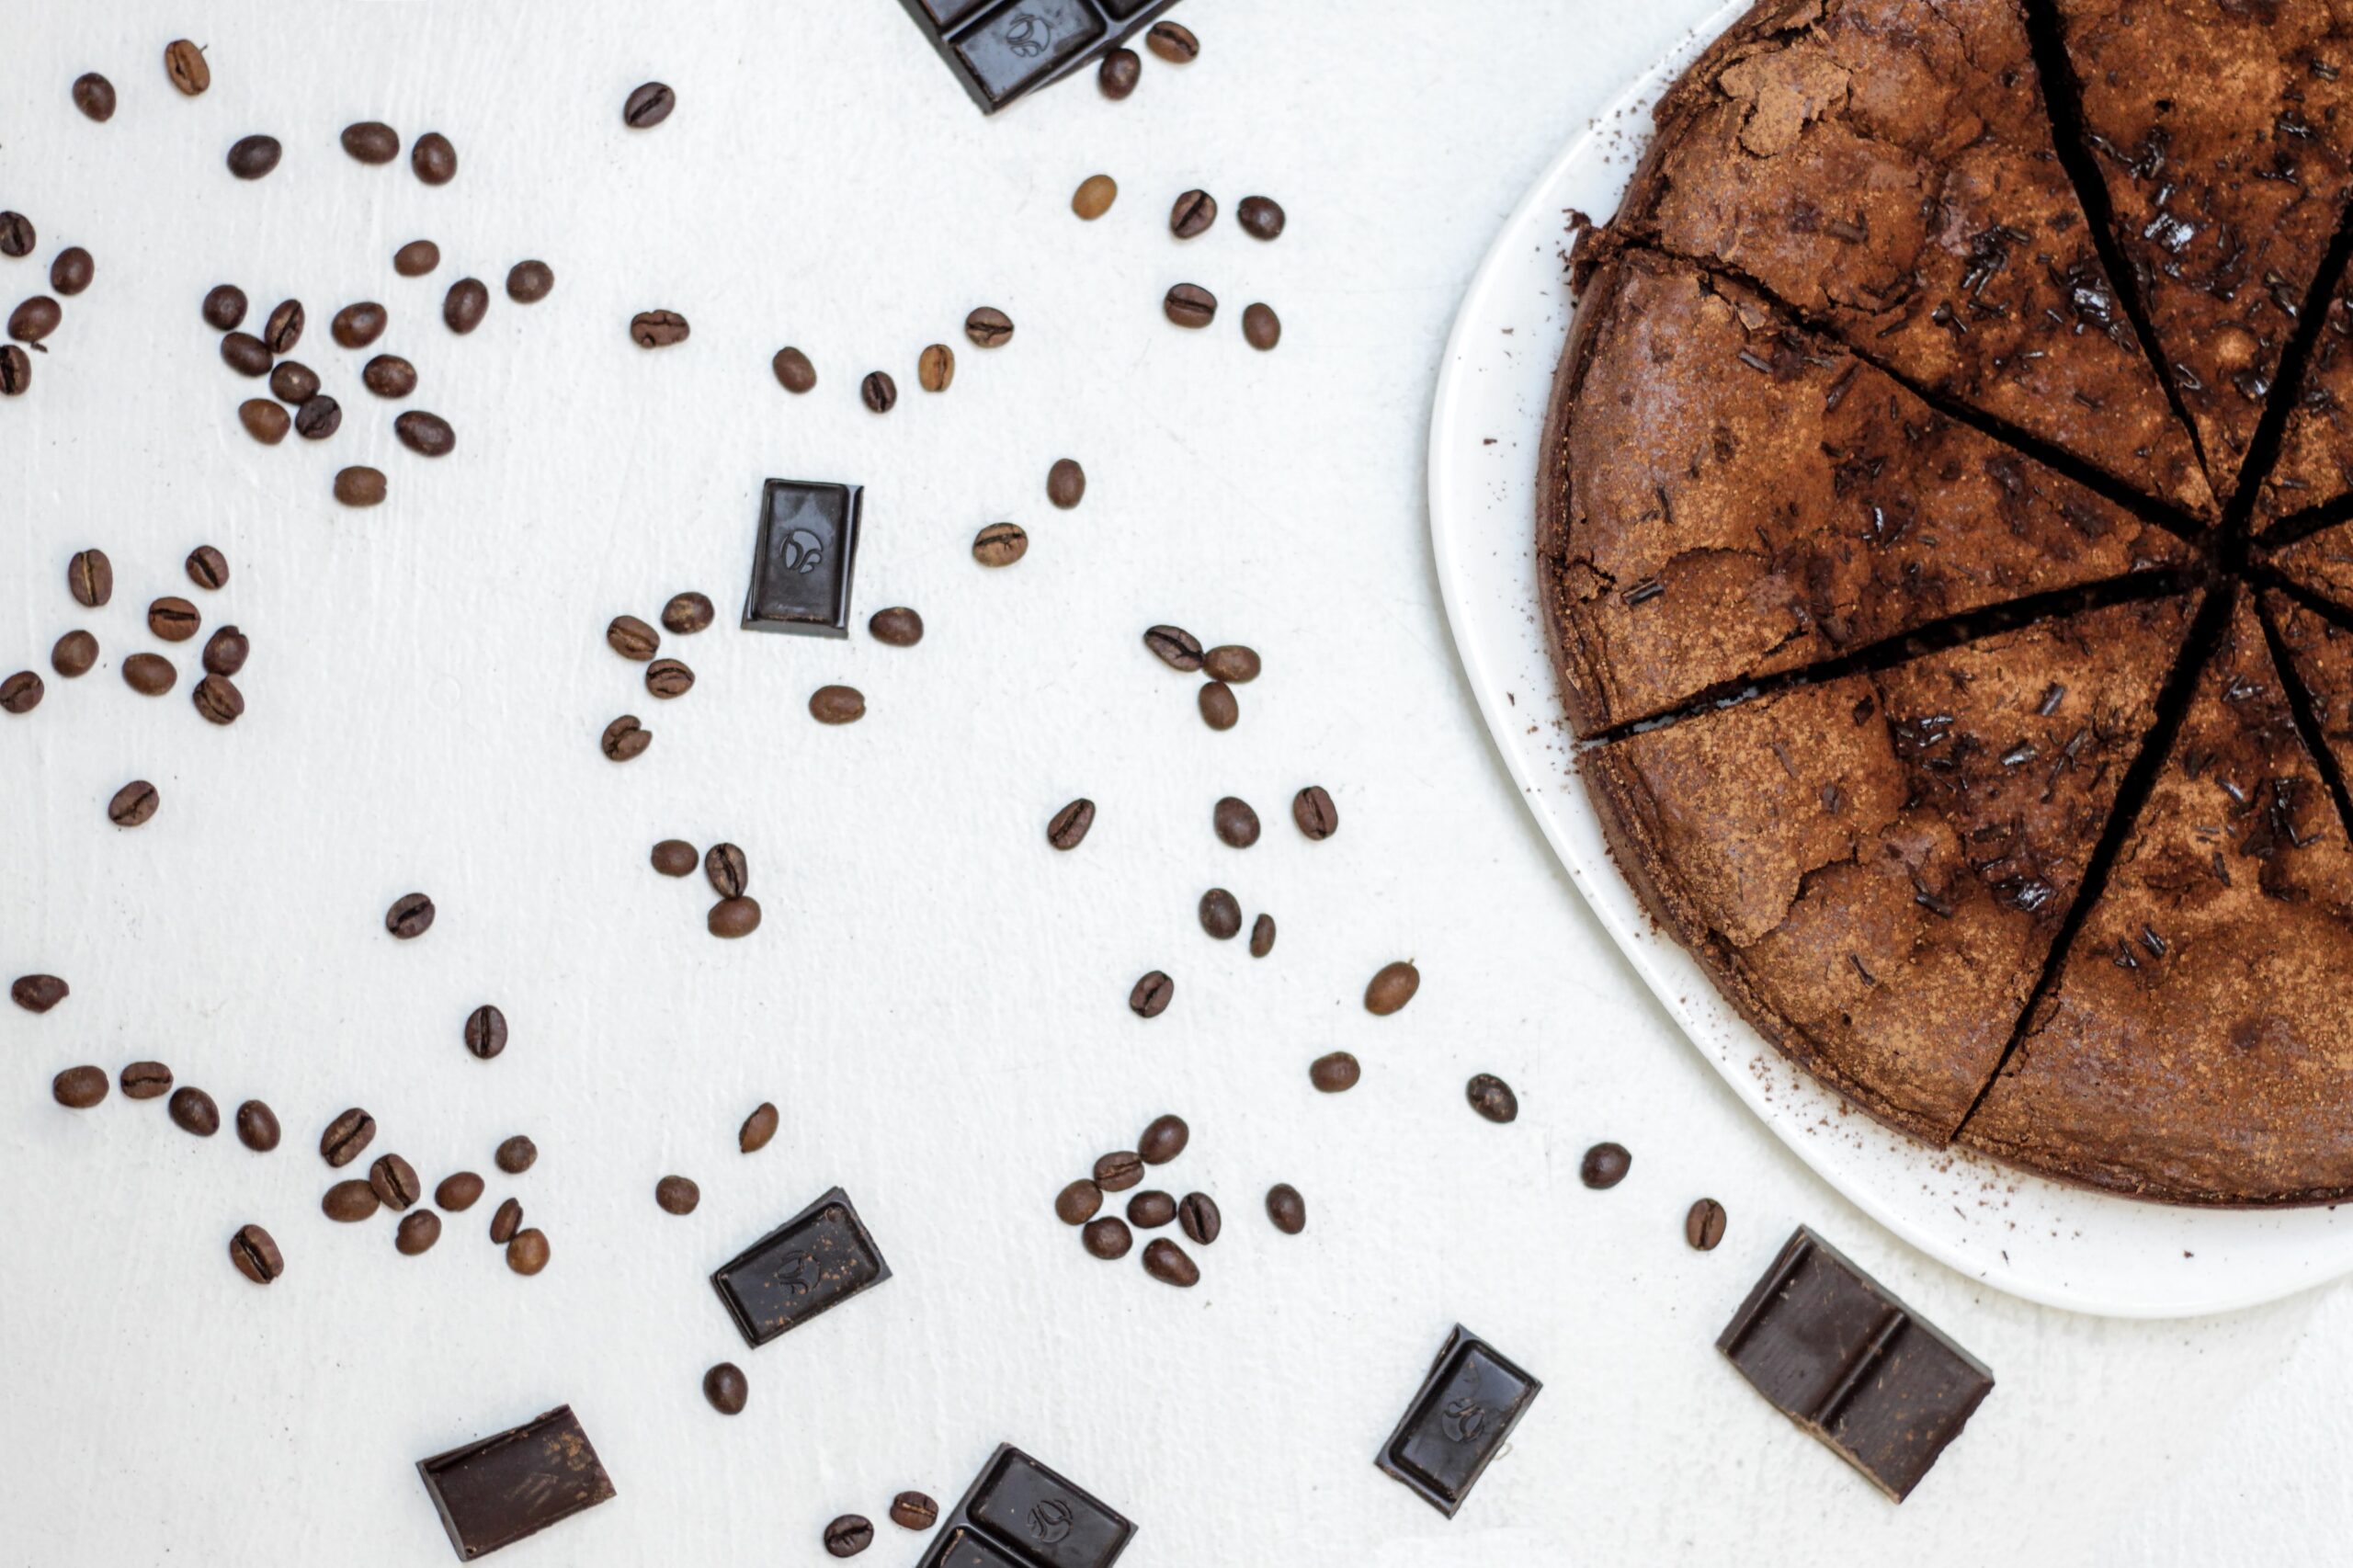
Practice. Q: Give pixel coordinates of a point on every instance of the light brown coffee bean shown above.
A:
(1000, 544)
(758, 1128)
(527, 1253)
(348, 1202)
(1391, 986)
(359, 486)
(185, 64)
(149, 674)
(458, 1191)
(1094, 197)
(935, 368)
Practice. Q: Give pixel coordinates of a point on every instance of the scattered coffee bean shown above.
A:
(134, 804)
(1169, 1264)
(913, 1511)
(1000, 544)
(1151, 1209)
(517, 1155)
(1150, 995)
(416, 258)
(149, 674)
(251, 157)
(504, 1221)
(257, 1126)
(527, 1254)
(879, 391)
(1094, 197)
(529, 282)
(732, 917)
(1231, 663)
(1492, 1097)
(256, 1255)
(1175, 646)
(71, 270)
(346, 1137)
(647, 106)
(485, 1031)
(393, 1181)
(40, 992)
(837, 705)
(935, 368)
(1605, 1165)
(725, 1387)
(21, 692)
(793, 371)
(217, 700)
(988, 327)
(1118, 1171)
(1391, 986)
(1197, 1216)
(172, 619)
(74, 655)
(1236, 823)
(632, 638)
(79, 1088)
(1174, 42)
(357, 326)
(359, 485)
(1107, 1238)
(728, 869)
(1193, 213)
(758, 1128)
(371, 142)
(245, 353)
(89, 577)
(1164, 1140)
(1068, 828)
(94, 96)
(1119, 73)
(1287, 1209)
(18, 236)
(265, 421)
(458, 1191)
(668, 678)
(1313, 809)
(146, 1080)
(434, 159)
(465, 304)
(1221, 710)
(1220, 914)
(1334, 1073)
(1073, 1205)
(1261, 328)
(207, 567)
(688, 613)
(1190, 304)
(676, 1195)
(348, 1202)
(1703, 1226)
(898, 626)
(284, 328)
(1065, 484)
(389, 375)
(674, 858)
(426, 435)
(658, 329)
(225, 307)
(1261, 217)
(16, 370)
(849, 1535)
(410, 917)
(35, 319)
(293, 381)
(184, 63)
(418, 1232)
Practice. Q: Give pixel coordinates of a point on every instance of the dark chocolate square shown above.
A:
(807, 554)
(494, 1492)
(1003, 50)
(815, 1261)
(948, 13)
(965, 1548)
(1839, 1354)
(1450, 1433)
(1019, 1514)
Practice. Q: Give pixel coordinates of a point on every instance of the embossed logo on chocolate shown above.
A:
(798, 1274)
(801, 552)
(1050, 1521)
(1463, 1420)
(1028, 35)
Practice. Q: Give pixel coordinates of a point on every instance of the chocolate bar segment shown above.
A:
(806, 555)
(816, 1260)
(1450, 1433)
(1019, 1514)
(1002, 50)
(494, 1492)
(1846, 1360)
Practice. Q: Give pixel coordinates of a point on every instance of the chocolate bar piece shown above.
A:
(1018, 1514)
(1846, 1360)
(1002, 50)
(808, 549)
(819, 1258)
(1468, 1405)
(496, 1492)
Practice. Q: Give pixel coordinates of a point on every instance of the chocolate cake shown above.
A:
(1945, 538)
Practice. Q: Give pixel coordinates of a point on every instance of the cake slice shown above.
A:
(1874, 867)
(1729, 495)
(2196, 1046)
(2321, 563)
(2315, 465)
(1888, 169)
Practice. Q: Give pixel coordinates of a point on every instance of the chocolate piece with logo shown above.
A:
(806, 556)
(1453, 1429)
(1003, 50)
(1020, 1512)
(494, 1492)
(816, 1260)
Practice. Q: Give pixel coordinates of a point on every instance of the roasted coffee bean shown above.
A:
(172, 619)
(1492, 1097)
(251, 157)
(1000, 544)
(149, 674)
(1334, 1073)
(361, 485)
(79, 1088)
(256, 1255)
(1605, 1165)
(632, 638)
(837, 705)
(244, 353)
(504, 1221)
(688, 613)
(1190, 304)
(529, 282)
(265, 421)
(676, 1195)
(416, 258)
(1391, 986)
(465, 304)
(458, 1191)
(16, 371)
(89, 577)
(1287, 1209)
(527, 1253)
(1065, 484)
(913, 1511)
(1119, 73)
(1198, 1216)
(1703, 1225)
(758, 1128)
(225, 307)
(434, 159)
(207, 567)
(357, 326)
(94, 96)
(371, 142)
(393, 1180)
(1261, 217)
(1313, 809)
(1151, 1209)
(1073, 1205)
(389, 375)
(1118, 1171)
(35, 319)
(1175, 646)
(658, 329)
(410, 917)
(74, 655)
(1236, 823)
(134, 804)
(1094, 197)
(988, 327)
(348, 1202)
(1150, 995)
(674, 858)
(18, 236)
(346, 1137)
(793, 371)
(732, 917)
(849, 1535)
(217, 700)
(1220, 914)
(417, 1232)
(1261, 328)
(319, 418)
(1193, 213)
(146, 1080)
(226, 651)
(1169, 1264)
(935, 368)
(879, 391)
(257, 1126)
(1164, 1140)
(40, 992)
(728, 869)
(667, 678)
(1068, 828)
(184, 63)
(517, 1155)
(1107, 1238)
(426, 435)
(726, 1387)
(284, 328)
(485, 1031)
(72, 271)
(1173, 41)
(1231, 663)
(647, 106)
(1221, 710)
(898, 626)
(21, 692)
(293, 381)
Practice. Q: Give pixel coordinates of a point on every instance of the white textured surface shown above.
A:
(936, 999)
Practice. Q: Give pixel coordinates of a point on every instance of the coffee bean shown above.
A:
(18, 236)
(1198, 1216)
(416, 258)
(836, 705)
(1492, 1097)
(667, 678)
(1065, 484)
(1261, 217)
(899, 627)
(1220, 914)
(728, 868)
(879, 391)
(1193, 213)
(284, 328)
(1236, 823)
(1000, 544)
(418, 1232)
(1220, 709)
(1703, 1225)
(359, 485)
(257, 1126)
(1231, 663)
(1118, 1171)
(632, 638)
(371, 142)
(172, 619)
(16, 371)
(293, 381)
(72, 271)
(848, 1535)
(410, 917)
(674, 858)
(1190, 304)
(793, 371)
(1313, 809)
(146, 1080)
(79, 1088)
(1119, 73)
(434, 159)
(1261, 328)
(251, 157)
(913, 1511)
(149, 674)
(485, 1031)
(465, 304)
(1164, 1140)
(1175, 646)
(1391, 986)
(1336, 1073)
(517, 1155)
(1094, 197)
(1168, 1263)
(458, 1191)
(89, 577)
(1150, 995)
(319, 418)
(504, 1221)
(226, 651)
(657, 329)
(207, 567)
(426, 435)
(133, 804)
(988, 327)
(1107, 1238)
(357, 326)
(184, 63)
(1068, 828)
(393, 1181)
(74, 655)
(527, 1253)
(346, 1137)
(1605, 1165)
(725, 1387)
(1173, 41)
(245, 353)
(40, 992)
(348, 1202)
(529, 282)
(21, 692)
(1287, 1209)
(265, 421)
(94, 96)
(676, 1195)
(1073, 1205)
(688, 613)
(256, 1255)
(217, 700)
(758, 1128)
(389, 375)
(225, 307)
(647, 106)
(732, 917)
(1150, 1210)
(935, 368)
(35, 319)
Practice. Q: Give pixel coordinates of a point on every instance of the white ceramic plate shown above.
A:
(2016, 1233)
